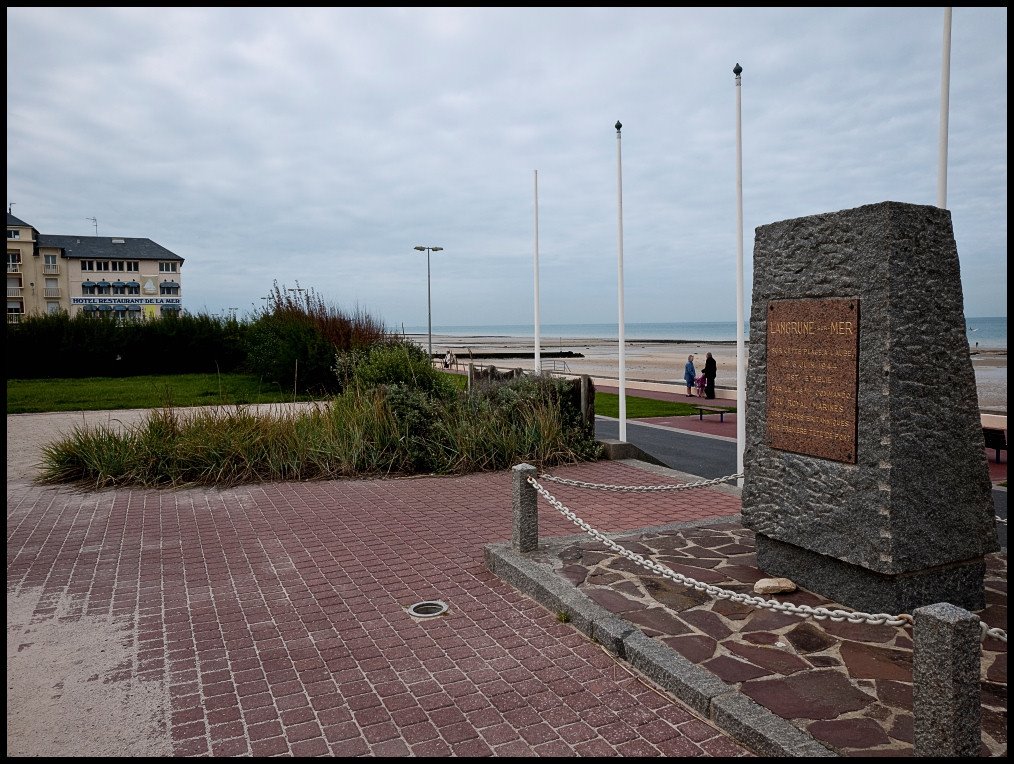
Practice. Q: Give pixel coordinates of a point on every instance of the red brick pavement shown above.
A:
(274, 615)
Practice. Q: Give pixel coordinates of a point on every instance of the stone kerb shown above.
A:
(901, 514)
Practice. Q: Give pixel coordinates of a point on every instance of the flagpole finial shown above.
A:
(737, 70)
(618, 126)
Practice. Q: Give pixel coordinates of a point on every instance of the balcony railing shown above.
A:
(50, 269)
(14, 267)
(51, 292)
(14, 318)
(14, 291)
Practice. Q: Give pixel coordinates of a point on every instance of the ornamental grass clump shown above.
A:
(98, 457)
(518, 421)
(395, 415)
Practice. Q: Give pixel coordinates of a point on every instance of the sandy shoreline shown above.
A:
(663, 360)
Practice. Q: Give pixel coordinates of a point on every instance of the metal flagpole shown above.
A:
(740, 310)
(945, 89)
(619, 287)
(538, 359)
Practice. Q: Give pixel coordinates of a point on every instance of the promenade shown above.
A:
(272, 620)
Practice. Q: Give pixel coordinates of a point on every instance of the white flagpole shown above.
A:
(740, 309)
(945, 89)
(619, 288)
(538, 358)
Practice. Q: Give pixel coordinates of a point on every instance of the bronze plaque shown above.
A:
(813, 365)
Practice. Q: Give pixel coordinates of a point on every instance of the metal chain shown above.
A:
(639, 488)
(985, 631)
(817, 613)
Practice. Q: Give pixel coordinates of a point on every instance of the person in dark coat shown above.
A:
(710, 372)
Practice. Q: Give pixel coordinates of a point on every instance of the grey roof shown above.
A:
(103, 248)
(11, 220)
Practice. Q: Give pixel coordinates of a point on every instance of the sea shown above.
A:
(987, 333)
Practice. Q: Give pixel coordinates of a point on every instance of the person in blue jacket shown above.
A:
(689, 376)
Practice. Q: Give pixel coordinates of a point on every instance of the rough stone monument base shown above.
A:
(865, 470)
(867, 590)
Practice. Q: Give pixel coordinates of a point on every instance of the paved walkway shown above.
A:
(271, 619)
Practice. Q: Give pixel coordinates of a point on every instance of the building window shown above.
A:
(88, 288)
(118, 265)
(52, 288)
(164, 267)
(13, 233)
(133, 288)
(13, 262)
(87, 265)
(132, 266)
(169, 289)
(52, 307)
(102, 265)
(49, 264)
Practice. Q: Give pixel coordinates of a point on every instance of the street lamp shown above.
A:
(429, 299)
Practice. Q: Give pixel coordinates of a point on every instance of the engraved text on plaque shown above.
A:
(812, 370)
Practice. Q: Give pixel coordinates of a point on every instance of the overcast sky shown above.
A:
(318, 146)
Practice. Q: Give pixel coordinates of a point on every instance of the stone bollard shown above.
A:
(525, 500)
(946, 694)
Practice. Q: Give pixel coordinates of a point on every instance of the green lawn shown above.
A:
(608, 404)
(26, 396)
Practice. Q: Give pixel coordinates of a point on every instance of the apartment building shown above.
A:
(128, 278)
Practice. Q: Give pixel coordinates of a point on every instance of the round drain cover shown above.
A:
(427, 609)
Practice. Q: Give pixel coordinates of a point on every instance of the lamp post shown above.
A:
(429, 299)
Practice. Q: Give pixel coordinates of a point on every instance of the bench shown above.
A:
(995, 439)
(702, 410)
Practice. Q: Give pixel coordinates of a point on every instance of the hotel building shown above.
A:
(129, 278)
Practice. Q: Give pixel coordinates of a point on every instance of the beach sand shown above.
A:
(663, 361)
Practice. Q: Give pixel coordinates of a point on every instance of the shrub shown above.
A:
(294, 342)
(290, 353)
(393, 362)
(44, 346)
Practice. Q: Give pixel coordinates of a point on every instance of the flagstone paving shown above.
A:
(848, 685)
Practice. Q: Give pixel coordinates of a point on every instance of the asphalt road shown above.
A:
(700, 455)
(710, 457)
